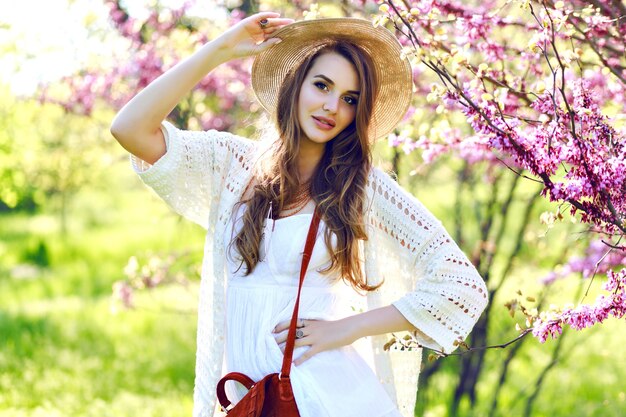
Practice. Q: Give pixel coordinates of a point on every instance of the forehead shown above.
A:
(338, 69)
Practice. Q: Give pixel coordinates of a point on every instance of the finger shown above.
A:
(266, 45)
(277, 22)
(281, 337)
(281, 326)
(304, 357)
(299, 342)
(268, 31)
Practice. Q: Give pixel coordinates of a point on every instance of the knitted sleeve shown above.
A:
(444, 294)
(191, 174)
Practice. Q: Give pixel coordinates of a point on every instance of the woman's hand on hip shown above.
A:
(320, 335)
(251, 35)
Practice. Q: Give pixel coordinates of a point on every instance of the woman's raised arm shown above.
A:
(137, 126)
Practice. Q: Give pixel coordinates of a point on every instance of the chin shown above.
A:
(323, 139)
(318, 137)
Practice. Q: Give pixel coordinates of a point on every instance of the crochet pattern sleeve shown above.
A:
(191, 174)
(444, 294)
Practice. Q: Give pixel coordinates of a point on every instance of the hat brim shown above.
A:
(393, 72)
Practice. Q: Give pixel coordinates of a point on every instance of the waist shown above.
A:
(283, 284)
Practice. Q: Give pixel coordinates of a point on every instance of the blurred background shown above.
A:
(98, 279)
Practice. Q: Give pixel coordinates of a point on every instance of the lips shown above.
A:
(325, 121)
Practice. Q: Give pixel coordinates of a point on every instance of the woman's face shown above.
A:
(328, 98)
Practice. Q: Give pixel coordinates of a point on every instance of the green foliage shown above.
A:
(47, 155)
(37, 255)
(14, 118)
(72, 357)
(67, 347)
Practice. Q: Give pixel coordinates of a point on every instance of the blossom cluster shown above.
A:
(154, 44)
(542, 100)
(149, 272)
(612, 304)
(598, 259)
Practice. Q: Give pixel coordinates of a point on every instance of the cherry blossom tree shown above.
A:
(540, 84)
(550, 103)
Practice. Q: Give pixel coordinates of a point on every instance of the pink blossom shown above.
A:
(124, 293)
(145, 60)
(612, 304)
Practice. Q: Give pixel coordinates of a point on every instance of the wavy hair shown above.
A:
(338, 182)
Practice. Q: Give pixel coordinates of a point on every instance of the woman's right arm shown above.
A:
(137, 126)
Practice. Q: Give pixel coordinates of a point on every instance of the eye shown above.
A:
(321, 85)
(350, 100)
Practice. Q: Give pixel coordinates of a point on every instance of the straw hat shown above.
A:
(298, 39)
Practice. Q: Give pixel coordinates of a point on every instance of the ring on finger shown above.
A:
(299, 334)
(263, 23)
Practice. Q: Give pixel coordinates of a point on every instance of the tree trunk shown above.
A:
(471, 366)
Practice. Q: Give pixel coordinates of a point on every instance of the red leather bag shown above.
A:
(272, 396)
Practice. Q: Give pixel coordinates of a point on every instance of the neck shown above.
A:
(310, 155)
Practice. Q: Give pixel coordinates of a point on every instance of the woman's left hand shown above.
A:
(320, 335)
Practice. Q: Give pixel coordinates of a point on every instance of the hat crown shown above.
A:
(300, 39)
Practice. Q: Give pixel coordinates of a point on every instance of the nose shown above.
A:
(331, 104)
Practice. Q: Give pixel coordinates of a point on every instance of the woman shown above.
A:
(332, 86)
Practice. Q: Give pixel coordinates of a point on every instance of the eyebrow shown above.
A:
(331, 82)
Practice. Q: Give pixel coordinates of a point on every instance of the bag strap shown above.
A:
(306, 257)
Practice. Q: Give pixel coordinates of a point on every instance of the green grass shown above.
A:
(70, 354)
(66, 347)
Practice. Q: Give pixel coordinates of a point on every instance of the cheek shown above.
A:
(301, 105)
(307, 96)
(350, 114)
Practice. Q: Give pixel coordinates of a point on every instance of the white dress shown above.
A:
(334, 383)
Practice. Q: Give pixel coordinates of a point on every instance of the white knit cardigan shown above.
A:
(427, 277)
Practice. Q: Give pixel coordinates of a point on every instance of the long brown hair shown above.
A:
(338, 182)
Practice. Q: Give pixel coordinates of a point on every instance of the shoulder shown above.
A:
(377, 176)
(390, 201)
(381, 184)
